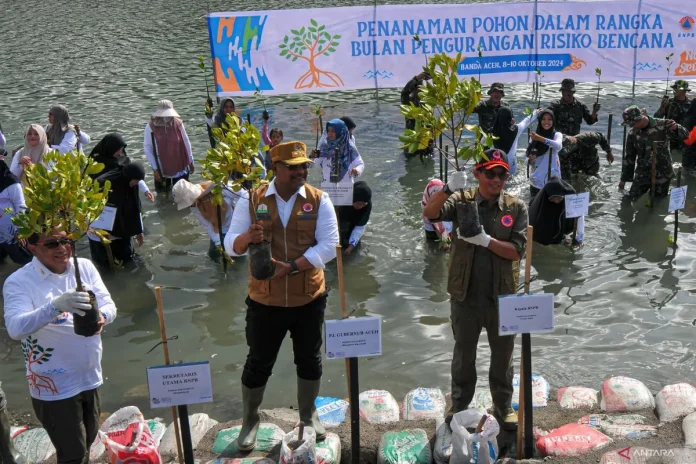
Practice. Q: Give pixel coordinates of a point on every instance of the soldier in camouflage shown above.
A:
(580, 154)
(570, 112)
(647, 135)
(487, 110)
(409, 94)
(675, 108)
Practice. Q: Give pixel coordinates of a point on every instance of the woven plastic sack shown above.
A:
(675, 401)
(423, 403)
(128, 439)
(577, 397)
(404, 447)
(626, 426)
(200, 424)
(378, 407)
(329, 450)
(624, 394)
(442, 450)
(306, 453)
(241, 461)
(540, 391)
(572, 440)
(332, 411)
(268, 436)
(474, 448)
(34, 444)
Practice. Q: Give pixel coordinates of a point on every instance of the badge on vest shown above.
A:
(262, 209)
(507, 220)
(307, 207)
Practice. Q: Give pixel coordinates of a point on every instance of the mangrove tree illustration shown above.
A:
(35, 355)
(309, 43)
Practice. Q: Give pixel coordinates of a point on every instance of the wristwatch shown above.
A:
(447, 190)
(295, 269)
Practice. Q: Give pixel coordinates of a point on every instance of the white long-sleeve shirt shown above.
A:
(150, 154)
(356, 234)
(326, 233)
(60, 364)
(540, 176)
(69, 142)
(230, 199)
(3, 141)
(521, 127)
(12, 197)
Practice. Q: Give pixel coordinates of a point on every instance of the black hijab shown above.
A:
(540, 147)
(505, 129)
(548, 218)
(6, 176)
(349, 217)
(104, 151)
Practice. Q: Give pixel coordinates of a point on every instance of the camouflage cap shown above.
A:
(499, 86)
(632, 115)
(567, 84)
(680, 85)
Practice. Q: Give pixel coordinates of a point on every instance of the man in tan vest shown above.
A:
(300, 223)
(490, 239)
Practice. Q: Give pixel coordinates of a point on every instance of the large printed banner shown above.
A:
(293, 51)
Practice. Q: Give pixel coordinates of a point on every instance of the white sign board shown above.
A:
(341, 193)
(577, 205)
(105, 221)
(520, 314)
(677, 198)
(179, 384)
(354, 338)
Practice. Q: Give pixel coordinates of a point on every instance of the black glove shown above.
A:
(209, 101)
(265, 115)
(468, 219)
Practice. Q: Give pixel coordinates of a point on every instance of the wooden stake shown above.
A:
(653, 176)
(527, 280)
(165, 348)
(344, 307)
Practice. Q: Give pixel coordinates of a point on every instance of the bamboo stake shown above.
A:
(165, 348)
(527, 280)
(344, 307)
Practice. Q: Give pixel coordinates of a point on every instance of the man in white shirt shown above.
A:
(299, 222)
(63, 368)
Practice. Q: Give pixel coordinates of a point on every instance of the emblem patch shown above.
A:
(507, 220)
(307, 207)
(261, 209)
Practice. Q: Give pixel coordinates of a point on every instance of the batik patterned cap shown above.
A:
(632, 115)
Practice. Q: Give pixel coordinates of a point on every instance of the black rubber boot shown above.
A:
(307, 392)
(252, 398)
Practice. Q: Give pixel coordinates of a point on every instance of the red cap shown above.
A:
(495, 158)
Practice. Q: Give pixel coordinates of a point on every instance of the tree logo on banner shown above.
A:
(316, 42)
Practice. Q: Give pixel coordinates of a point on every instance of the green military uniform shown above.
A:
(676, 110)
(640, 144)
(568, 116)
(487, 111)
(581, 155)
(477, 276)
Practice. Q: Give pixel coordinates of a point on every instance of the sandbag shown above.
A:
(329, 450)
(34, 444)
(306, 453)
(378, 407)
(624, 394)
(268, 437)
(405, 447)
(628, 426)
(628, 455)
(423, 403)
(572, 440)
(678, 456)
(332, 411)
(442, 450)
(128, 439)
(540, 391)
(675, 401)
(97, 449)
(475, 448)
(689, 429)
(482, 399)
(577, 397)
(157, 428)
(200, 424)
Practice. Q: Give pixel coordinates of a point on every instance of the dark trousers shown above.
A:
(266, 327)
(638, 190)
(533, 192)
(467, 323)
(168, 182)
(17, 253)
(121, 249)
(71, 424)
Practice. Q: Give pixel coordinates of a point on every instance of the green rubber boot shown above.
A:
(252, 398)
(307, 392)
(8, 454)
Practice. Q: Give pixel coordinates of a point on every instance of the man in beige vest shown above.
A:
(490, 239)
(300, 223)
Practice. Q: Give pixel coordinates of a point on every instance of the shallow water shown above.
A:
(623, 302)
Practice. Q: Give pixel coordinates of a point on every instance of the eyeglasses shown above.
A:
(53, 244)
(502, 175)
(297, 167)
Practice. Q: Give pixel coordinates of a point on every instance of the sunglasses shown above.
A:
(53, 244)
(504, 175)
(297, 167)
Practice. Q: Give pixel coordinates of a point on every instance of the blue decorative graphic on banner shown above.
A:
(647, 67)
(232, 43)
(514, 63)
(371, 74)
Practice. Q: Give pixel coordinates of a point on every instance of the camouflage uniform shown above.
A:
(582, 155)
(568, 117)
(637, 161)
(409, 94)
(487, 112)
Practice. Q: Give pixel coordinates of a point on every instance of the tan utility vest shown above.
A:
(287, 244)
(505, 272)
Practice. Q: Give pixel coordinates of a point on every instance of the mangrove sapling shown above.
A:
(234, 162)
(668, 58)
(598, 73)
(208, 101)
(539, 80)
(65, 199)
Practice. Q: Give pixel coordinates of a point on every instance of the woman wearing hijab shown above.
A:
(126, 180)
(167, 147)
(509, 133)
(35, 147)
(353, 219)
(199, 199)
(62, 135)
(435, 231)
(336, 145)
(543, 152)
(547, 214)
(11, 199)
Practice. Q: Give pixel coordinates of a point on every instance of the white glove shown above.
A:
(482, 239)
(457, 181)
(73, 302)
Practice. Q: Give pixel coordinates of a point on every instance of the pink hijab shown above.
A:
(432, 187)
